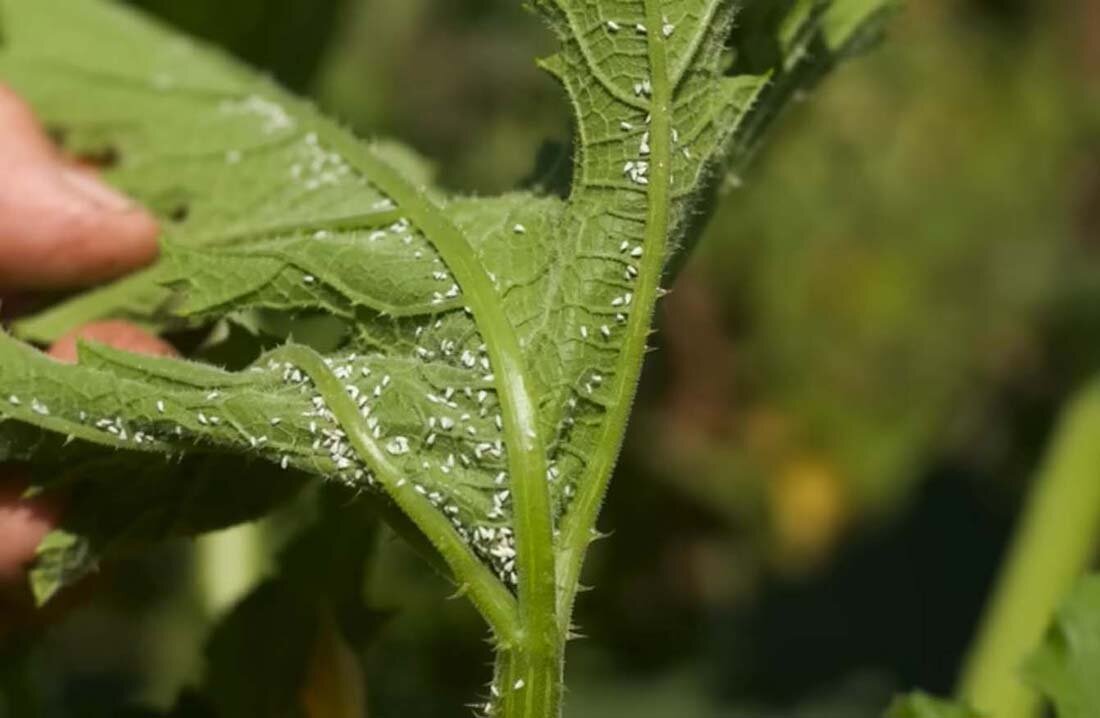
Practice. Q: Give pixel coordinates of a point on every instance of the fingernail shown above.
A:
(93, 190)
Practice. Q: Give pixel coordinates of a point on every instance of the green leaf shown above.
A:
(921, 705)
(117, 503)
(493, 344)
(1066, 666)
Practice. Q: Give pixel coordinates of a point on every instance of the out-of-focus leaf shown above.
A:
(921, 705)
(288, 648)
(1066, 668)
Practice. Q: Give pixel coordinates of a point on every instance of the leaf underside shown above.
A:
(1063, 668)
(492, 344)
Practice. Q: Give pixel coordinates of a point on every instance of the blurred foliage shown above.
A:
(1066, 666)
(283, 650)
(929, 223)
(286, 37)
(852, 386)
(456, 80)
(922, 706)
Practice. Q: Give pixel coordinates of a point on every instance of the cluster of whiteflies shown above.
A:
(493, 542)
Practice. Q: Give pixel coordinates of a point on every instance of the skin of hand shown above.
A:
(61, 227)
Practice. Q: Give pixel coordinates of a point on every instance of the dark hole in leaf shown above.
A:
(179, 213)
(89, 153)
(174, 204)
(100, 158)
(57, 135)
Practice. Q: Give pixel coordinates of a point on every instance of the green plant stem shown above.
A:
(528, 685)
(1054, 545)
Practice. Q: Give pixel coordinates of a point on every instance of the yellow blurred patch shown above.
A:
(809, 511)
(335, 685)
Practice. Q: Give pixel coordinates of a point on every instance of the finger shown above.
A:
(115, 333)
(23, 524)
(60, 225)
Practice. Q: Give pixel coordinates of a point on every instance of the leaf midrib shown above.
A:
(532, 523)
(488, 593)
(580, 521)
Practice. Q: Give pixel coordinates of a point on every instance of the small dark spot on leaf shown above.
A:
(102, 158)
(58, 135)
(91, 152)
(179, 213)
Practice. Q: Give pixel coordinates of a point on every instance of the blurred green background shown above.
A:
(858, 371)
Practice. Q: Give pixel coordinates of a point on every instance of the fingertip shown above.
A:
(132, 244)
(112, 234)
(23, 524)
(64, 227)
(114, 333)
(61, 225)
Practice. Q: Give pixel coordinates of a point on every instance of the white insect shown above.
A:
(398, 445)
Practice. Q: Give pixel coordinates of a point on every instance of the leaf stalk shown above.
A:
(1055, 543)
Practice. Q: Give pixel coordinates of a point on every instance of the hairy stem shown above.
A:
(527, 685)
(1054, 545)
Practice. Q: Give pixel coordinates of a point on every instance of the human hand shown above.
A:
(61, 227)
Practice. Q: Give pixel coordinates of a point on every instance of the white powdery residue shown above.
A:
(318, 167)
(273, 117)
